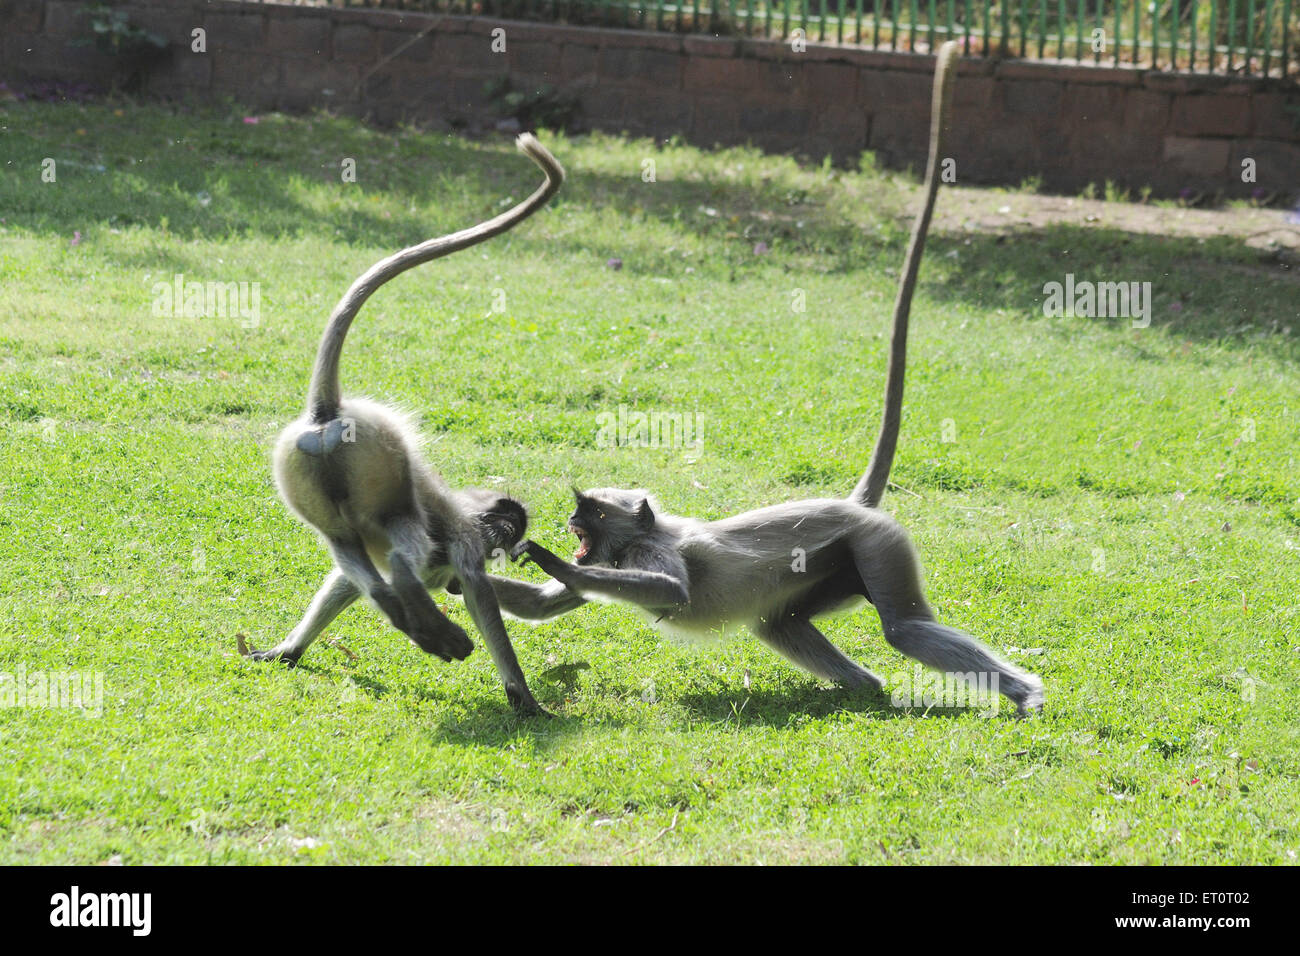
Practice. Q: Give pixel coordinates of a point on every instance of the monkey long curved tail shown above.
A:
(323, 395)
(872, 486)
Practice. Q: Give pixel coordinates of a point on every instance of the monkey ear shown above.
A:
(645, 516)
(578, 496)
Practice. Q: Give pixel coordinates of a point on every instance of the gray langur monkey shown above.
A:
(775, 569)
(351, 469)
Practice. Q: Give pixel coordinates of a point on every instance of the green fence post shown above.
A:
(1173, 36)
(1268, 36)
(1250, 34)
(1118, 31)
(1286, 36)
(1155, 38)
(1232, 32)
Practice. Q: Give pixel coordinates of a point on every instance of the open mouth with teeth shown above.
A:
(584, 542)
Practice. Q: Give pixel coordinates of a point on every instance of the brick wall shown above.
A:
(1013, 119)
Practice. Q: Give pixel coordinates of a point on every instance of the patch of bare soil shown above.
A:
(1270, 230)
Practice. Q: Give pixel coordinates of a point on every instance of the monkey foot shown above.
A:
(447, 641)
(287, 658)
(524, 705)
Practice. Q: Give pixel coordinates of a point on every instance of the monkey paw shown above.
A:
(287, 658)
(525, 705)
(442, 638)
(545, 559)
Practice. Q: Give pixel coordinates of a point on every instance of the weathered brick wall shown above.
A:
(1014, 119)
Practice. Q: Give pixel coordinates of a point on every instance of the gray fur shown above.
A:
(352, 470)
(773, 570)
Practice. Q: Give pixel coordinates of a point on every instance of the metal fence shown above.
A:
(1241, 37)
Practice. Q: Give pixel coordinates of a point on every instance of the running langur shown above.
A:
(776, 569)
(351, 469)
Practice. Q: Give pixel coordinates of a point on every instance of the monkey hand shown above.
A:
(548, 561)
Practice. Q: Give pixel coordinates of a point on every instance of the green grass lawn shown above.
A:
(1118, 511)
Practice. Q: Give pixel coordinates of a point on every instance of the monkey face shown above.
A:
(607, 521)
(501, 520)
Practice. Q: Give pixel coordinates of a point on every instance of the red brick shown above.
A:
(578, 61)
(728, 47)
(22, 16)
(604, 107)
(827, 83)
(658, 114)
(1167, 82)
(466, 51)
(241, 32)
(298, 34)
(539, 59)
(1211, 114)
(974, 93)
(65, 18)
(414, 47)
(844, 125)
(246, 73)
(355, 43)
(629, 39)
(758, 118)
(779, 79)
(184, 68)
(907, 92)
(1032, 97)
(714, 120)
(1271, 118)
(1277, 165)
(708, 74)
(1147, 110)
(307, 85)
(900, 137)
(622, 64)
(1198, 157)
(1092, 104)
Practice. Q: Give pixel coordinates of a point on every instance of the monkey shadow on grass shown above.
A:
(489, 723)
(776, 707)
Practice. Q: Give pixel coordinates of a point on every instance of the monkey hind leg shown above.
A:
(427, 626)
(800, 642)
(952, 651)
(355, 563)
(893, 579)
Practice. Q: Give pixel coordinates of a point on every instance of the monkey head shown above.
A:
(608, 521)
(500, 519)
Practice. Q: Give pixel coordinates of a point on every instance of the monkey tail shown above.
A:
(871, 487)
(323, 395)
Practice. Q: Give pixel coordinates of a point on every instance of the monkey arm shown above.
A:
(534, 602)
(649, 589)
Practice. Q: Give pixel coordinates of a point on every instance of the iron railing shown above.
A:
(1242, 37)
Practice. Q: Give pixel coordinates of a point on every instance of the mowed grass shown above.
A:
(1118, 511)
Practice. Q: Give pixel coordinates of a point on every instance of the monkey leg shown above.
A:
(353, 561)
(798, 640)
(336, 594)
(427, 626)
(893, 579)
(481, 602)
